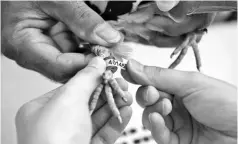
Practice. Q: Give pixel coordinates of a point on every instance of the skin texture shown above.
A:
(185, 107)
(38, 35)
(62, 115)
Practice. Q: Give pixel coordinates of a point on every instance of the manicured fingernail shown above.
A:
(107, 33)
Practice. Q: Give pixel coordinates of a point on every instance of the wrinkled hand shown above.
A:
(38, 35)
(204, 109)
(62, 115)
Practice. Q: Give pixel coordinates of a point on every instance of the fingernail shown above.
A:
(165, 6)
(127, 77)
(98, 63)
(147, 95)
(151, 117)
(135, 65)
(163, 108)
(150, 121)
(107, 33)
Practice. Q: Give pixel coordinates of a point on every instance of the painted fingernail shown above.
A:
(107, 33)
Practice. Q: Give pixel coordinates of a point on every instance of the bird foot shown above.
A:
(190, 40)
(109, 85)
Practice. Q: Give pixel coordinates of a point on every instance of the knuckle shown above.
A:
(153, 73)
(81, 10)
(61, 77)
(22, 112)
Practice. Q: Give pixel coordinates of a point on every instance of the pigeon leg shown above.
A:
(95, 97)
(113, 83)
(197, 56)
(111, 102)
(179, 58)
(190, 40)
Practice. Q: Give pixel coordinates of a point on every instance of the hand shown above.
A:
(204, 109)
(39, 35)
(62, 115)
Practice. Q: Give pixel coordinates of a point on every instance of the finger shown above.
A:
(63, 66)
(101, 116)
(122, 83)
(166, 80)
(38, 52)
(46, 59)
(149, 95)
(63, 38)
(160, 131)
(166, 5)
(81, 86)
(83, 21)
(101, 101)
(163, 107)
(146, 123)
(112, 130)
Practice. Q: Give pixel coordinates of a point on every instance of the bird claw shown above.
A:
(190, 40)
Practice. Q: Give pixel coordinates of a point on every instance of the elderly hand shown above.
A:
(62, 115)
(38, 35)
(204, 109)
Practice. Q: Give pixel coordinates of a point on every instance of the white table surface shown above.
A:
(218, 50)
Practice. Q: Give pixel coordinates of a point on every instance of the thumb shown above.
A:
(166, 5)
(83, 21)
(167, 80)
(82, 85)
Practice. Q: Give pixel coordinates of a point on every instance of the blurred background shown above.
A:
(218, 50)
